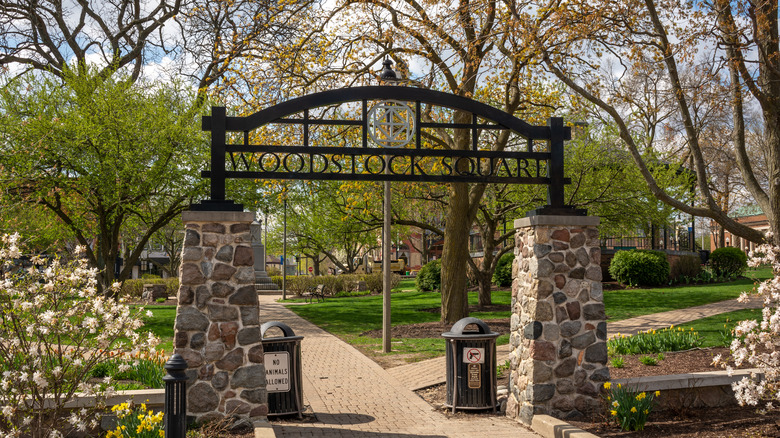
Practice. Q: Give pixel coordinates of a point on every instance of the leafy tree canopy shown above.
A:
(99, 152)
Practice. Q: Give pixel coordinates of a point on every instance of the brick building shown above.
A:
(751, 216)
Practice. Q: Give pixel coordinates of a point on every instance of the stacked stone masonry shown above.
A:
(217, 329)
(558, 327)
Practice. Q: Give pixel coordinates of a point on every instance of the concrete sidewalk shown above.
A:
(352, 396)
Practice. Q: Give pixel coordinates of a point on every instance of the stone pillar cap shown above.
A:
(217, 216)
(581, 221)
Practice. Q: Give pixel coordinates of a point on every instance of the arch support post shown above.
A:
(217, 329)
(558, 326)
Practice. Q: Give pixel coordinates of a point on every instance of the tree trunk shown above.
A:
(454, 299)
(485, 278)
(772, 139)
(424, 245)
(316, 263)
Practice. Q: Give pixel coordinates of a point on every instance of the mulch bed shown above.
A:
(434, 329)
(732, 421)
(706, 423)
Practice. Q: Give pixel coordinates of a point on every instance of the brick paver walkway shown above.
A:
(352, 396)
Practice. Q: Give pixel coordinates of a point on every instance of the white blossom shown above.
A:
(39, 380)
(41, 302)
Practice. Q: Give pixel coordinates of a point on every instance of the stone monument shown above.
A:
(263, 283)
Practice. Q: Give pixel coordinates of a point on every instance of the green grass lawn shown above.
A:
(714, 330)
(351, 316)
(629, 303)
(406, 285)
(347, 318)
(161, 324)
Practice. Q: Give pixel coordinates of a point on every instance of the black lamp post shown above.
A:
(175, 397)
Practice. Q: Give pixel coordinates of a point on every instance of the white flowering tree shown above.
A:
(54, 328)
(756, 342)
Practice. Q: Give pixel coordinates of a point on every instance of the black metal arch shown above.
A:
(555, 133)
(356, 94)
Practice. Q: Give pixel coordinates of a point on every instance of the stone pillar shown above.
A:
(217, 327)
(558, 327)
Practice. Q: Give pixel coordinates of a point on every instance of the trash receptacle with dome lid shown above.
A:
(471, 365)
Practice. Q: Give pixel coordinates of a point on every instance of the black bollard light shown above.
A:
(175, 397)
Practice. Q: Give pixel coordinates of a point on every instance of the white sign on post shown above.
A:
(277, 371)
(473, 355)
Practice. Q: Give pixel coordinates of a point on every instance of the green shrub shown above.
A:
(728, 262)
(375, 284)
(503, 274)
(300, 284)
(336, 283)
(273, 271)
(686, 266)
(278, 280)
(134, 288)
(640, 267)
(429, 277)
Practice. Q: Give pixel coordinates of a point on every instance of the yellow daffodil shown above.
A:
(633, 409)
(607, 385)
(614, 413)
(657, 393)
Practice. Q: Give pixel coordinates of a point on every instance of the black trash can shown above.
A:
(283, 370)
(471, 366)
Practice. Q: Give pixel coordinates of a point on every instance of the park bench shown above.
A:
(316, 292)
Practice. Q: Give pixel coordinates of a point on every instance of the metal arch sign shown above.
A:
(396, 128)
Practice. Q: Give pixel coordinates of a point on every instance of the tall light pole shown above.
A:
(387, 76)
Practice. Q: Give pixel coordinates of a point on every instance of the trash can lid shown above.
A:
(287, 332)
(457, 329)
